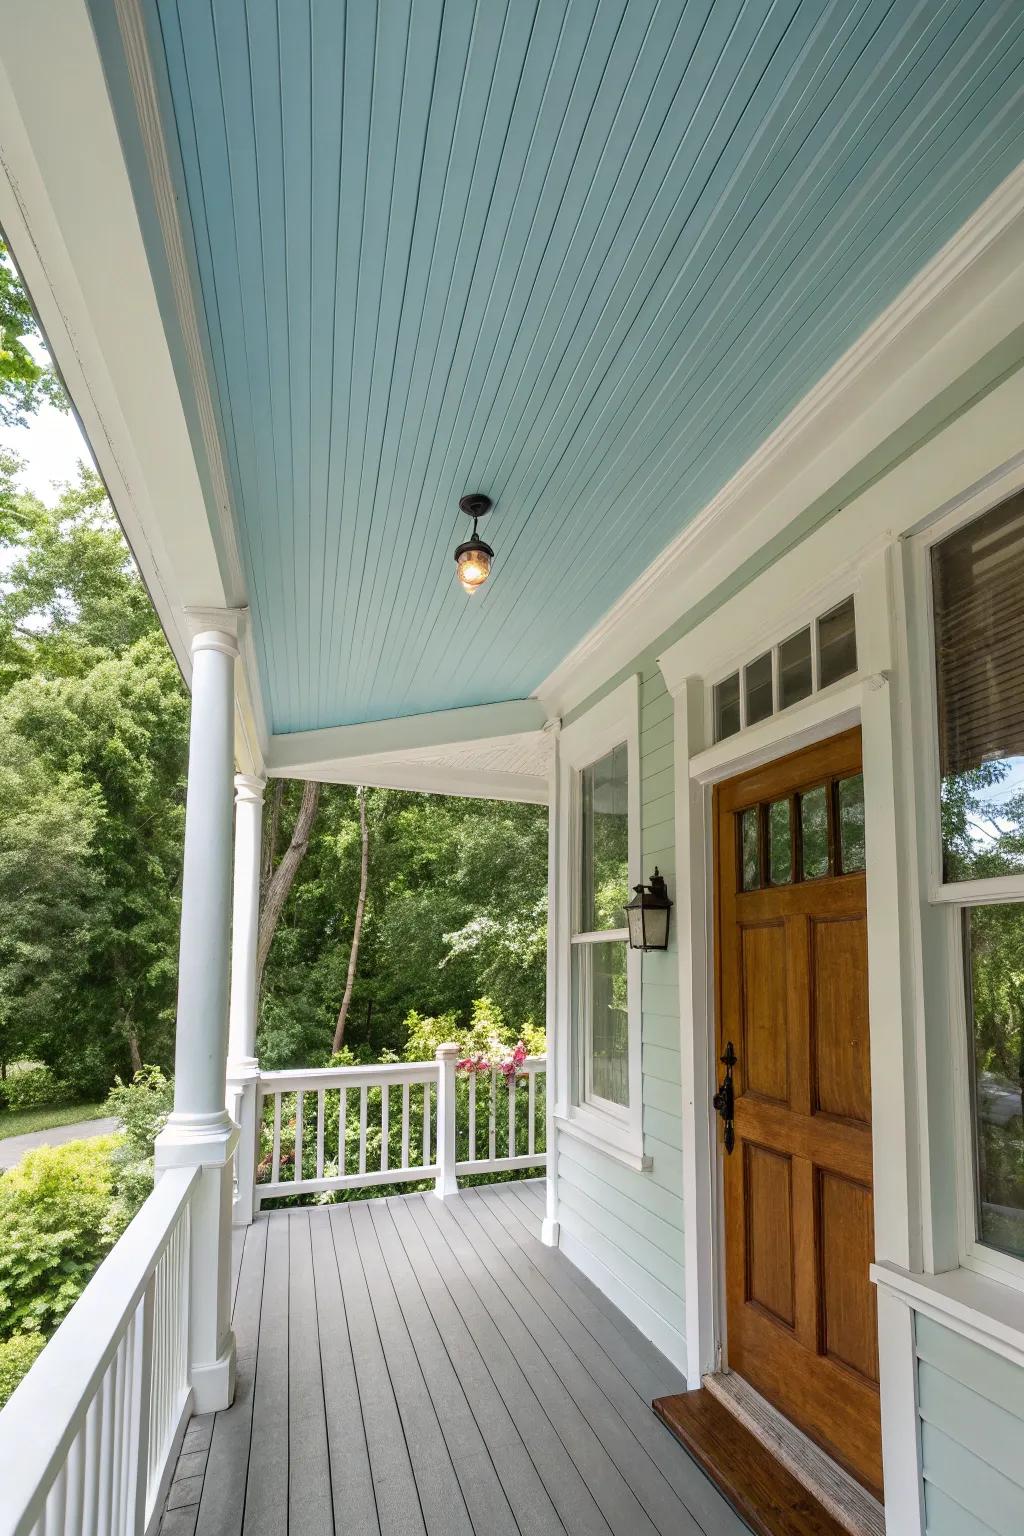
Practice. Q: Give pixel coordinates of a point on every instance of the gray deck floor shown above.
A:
(407, 1366)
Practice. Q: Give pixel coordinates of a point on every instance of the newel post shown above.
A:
(200, 1133)
(446, 1183)
(243, 1074)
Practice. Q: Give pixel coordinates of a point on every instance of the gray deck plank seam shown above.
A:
(619, 1501)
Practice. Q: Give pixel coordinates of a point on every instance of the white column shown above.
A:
(549, 1228)
(243, 1068)
(200, 1132)
(446, 1183)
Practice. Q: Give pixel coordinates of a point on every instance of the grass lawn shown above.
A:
(19, 1122)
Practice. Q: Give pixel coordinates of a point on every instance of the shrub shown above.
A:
(142, 1106)
(16, 1356)
(52, 1209)
(35, 1088)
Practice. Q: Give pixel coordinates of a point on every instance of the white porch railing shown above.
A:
(415, 1121)
(86, 1438)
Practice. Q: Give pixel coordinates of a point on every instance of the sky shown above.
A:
(51, 446)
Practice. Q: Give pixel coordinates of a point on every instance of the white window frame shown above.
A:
(948, 899)
(615, 1129)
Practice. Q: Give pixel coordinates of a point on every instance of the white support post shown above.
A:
(446, 1183)
(243, 1073)
(549, 1228)
(200, 1132)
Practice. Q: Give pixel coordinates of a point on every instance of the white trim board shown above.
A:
(967, 299)
(989, 1313)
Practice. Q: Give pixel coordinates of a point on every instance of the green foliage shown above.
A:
(24, 382)
(142, 1106)
(52, 1210)
(16, 1356)
(34, 1087)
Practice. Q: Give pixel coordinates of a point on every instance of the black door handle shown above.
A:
(724, 1100)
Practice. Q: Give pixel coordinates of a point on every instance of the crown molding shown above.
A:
(961, 305)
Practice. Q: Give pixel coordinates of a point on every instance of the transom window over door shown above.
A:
(600, 939)
(977, 592)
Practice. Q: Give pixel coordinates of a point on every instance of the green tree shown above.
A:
(24, 382)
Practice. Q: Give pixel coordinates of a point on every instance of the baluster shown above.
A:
(426, 1125)
(75, 1502)
(275, 1170)
(471, 1091)
(92, 1454)
(492, 1103)
(405, 1125)
(142, 1387)
(385, 1112)
(512, 1115)
(320, 1133)
(298, 1135)
(362, 1129)
(129, 1429)
(531, 1111)
(55, 1516)
(105, 1451)
(342, 1130)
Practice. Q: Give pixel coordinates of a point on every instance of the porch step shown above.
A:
(761, 1490)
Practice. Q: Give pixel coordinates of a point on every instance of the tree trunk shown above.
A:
(136, 1054)
(280, 880)
(364, 865)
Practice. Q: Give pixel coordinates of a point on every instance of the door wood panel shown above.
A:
(792, 997)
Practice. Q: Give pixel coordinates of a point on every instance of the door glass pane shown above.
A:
(750, 853)
(995, 950)
(602, 1020)
(727, 707)
(814, 832)
(851, 823)
(837, 644)
(795, 669)
(780, 849)
(978, 593)
(757, 679)
(605, 842)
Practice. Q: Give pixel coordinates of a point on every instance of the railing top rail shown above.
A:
(310, 1078)
(44, 1412)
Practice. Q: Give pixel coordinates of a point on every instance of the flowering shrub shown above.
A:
(507, 1060)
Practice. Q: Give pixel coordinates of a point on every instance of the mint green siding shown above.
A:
(632, 1223)
(972, 1435)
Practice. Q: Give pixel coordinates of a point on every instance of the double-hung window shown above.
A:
(976, 581)
(600, 860)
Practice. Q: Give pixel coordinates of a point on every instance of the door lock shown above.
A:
(724, 1100)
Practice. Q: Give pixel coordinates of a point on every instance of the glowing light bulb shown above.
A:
(473, 567)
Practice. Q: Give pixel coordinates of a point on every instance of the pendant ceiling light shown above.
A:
(473, 558)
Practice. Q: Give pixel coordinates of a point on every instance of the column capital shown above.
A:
(216, 629)
(249, 789)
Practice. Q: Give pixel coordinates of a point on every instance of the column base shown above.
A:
(444, 1188)
(549, 1232)
(213, 1385)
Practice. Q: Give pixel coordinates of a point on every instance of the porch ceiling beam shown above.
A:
(430, 778)
(296, 755)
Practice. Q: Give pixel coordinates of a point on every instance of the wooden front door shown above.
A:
(792, 999)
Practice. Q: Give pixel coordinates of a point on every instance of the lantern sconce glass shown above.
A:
(648, 914)
(473, 558)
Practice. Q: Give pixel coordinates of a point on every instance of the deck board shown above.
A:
(410, 1366)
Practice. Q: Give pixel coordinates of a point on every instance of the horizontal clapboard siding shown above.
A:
(632, 1223)
(972, 1435)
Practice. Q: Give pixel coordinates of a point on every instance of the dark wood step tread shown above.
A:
(762, 1491)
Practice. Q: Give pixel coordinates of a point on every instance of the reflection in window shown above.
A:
(757, 680)
(727, 707)
(837, 644)
(780, 846)
(995, 950)
(978, 600)
(750, 848)
(795, 676)
(605, 842)
(814, 832)
(851, 823)
(601, 1015)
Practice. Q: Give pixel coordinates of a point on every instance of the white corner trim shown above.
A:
(977, 1308)
(955, 310)
(589, 1129)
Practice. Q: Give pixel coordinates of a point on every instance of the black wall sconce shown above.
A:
(648, 915)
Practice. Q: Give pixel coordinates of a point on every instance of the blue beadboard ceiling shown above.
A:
(582, 255)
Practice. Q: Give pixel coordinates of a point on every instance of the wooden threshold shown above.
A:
(762, 1491)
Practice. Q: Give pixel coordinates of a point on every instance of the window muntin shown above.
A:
(599, 942)
(813, 658)
(816, 832)
(977, 576)
(994, 973)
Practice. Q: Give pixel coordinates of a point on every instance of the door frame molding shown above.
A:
(866, 699)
